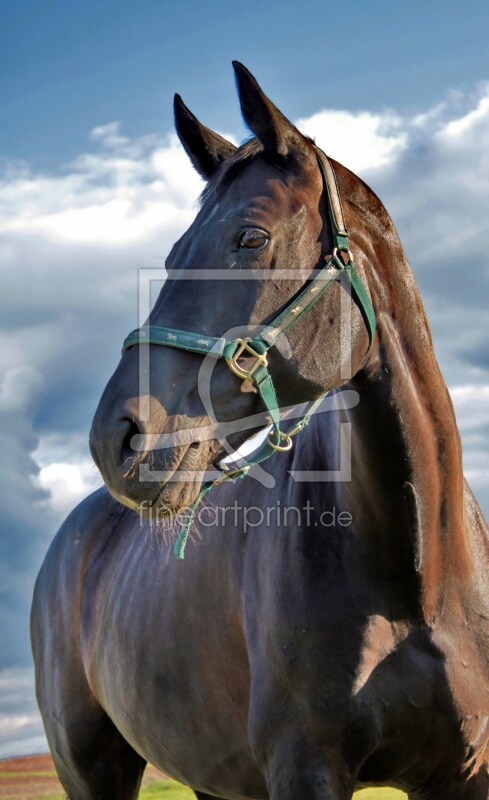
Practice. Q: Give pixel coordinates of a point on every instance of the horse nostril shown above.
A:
(127, 447)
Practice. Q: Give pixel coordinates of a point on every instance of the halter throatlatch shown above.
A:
(258, 347)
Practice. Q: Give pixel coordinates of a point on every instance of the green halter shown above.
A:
(257, 347)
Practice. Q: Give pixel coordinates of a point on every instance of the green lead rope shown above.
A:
(181, 541)
(262, 454)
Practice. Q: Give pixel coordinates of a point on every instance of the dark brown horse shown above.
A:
(292, 656)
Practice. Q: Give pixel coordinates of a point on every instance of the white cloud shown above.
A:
(67, 473)
(471, 405)
(464, 124)
(19, 389)
(123, 193)
(67, 484)
(438, 192)
(361, 140)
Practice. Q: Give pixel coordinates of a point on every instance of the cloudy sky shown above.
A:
(94, 185)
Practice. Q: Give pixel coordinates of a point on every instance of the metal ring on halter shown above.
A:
(282, 448)
(338, 249)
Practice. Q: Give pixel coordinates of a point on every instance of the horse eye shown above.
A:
(253, 238)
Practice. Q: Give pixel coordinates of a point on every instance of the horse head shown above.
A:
(262, 230)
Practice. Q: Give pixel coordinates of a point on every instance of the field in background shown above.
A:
(34, 778)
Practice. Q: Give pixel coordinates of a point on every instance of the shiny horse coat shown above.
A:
(290, 655)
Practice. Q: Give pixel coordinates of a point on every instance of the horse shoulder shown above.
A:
(83, 534)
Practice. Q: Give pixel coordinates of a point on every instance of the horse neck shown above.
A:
(406, 446)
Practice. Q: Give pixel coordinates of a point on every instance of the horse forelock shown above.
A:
(235, 164)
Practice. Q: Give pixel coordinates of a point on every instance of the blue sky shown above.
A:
(65, 66)
(93, 185)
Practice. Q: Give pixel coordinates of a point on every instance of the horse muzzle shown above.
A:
(141, 474)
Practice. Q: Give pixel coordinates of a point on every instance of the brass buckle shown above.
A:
(244, 351)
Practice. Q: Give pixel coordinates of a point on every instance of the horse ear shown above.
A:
(272, 129)
(205, 148)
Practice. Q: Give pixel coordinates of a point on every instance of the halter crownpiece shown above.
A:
(258, 347)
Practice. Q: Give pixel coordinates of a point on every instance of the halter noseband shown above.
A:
(258, 346)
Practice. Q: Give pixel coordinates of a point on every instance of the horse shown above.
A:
(287, 656)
